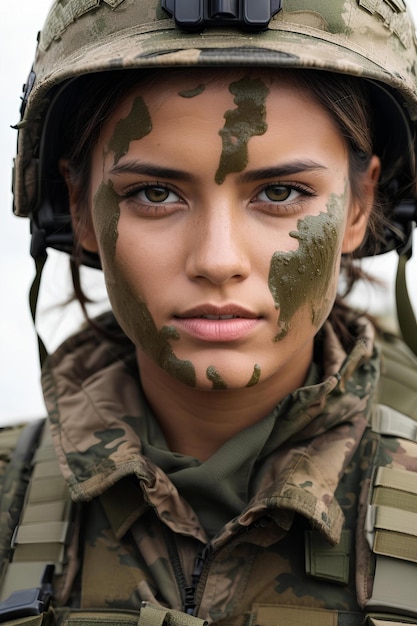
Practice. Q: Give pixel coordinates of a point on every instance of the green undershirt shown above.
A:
(219, 489)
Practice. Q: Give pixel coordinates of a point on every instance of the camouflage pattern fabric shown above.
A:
(139, 529)
(374, 39)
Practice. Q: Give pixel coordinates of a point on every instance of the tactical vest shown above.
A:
(36, 521)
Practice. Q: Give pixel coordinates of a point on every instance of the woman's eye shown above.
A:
(278, 193)
(152, 200)
(156, 195)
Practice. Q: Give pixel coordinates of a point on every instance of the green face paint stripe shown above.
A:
(297, 276)
(136, 125)
(242, 123)
(106, 217)
(192, 93)
(183, 371)
(213, 375)
(256, 375)
(155, 343)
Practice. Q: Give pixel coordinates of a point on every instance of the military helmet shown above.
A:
(371, 39)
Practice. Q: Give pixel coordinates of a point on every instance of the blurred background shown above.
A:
(20, 393)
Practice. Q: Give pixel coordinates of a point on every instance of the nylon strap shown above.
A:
(388, 421)
(16, 449)
(405, 312)
(394, 532)
(394, 589)
(391, 531)
(395, 488)
(149, 615)
(153, 615)
(44, 530)
(397, 385)
(396, 479)
(391, 521)
(267, 615)
(82, 617)
(33, 302)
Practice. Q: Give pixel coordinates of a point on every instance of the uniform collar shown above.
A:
(93, 398)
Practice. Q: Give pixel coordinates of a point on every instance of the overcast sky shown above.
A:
(19, 370)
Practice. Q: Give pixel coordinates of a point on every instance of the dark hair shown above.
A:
(345, 98)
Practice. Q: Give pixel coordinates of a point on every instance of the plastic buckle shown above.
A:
(24, 604)
(195, 15)
(28, 602)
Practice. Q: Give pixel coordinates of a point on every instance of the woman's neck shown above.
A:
(198, 422)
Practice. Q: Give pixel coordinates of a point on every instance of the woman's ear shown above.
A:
(361, 208)
(82, 226)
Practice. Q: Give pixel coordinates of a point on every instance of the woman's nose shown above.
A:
(218, 250)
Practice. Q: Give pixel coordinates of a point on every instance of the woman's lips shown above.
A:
(217, 324)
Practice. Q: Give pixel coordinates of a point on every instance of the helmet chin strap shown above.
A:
(405, 313)
(33, 301)
(405, 216)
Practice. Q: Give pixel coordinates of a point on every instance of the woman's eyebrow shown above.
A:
(278, 171)
(158, 171)
(149, 169)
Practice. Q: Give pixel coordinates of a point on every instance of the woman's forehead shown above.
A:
(190, 89)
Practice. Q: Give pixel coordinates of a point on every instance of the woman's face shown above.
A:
(220, 211)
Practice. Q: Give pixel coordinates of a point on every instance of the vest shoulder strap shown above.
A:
(391, 511)
(17, 445)
(391, 529)
(41, 530)
(397, 387)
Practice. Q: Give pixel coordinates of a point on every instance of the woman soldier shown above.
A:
(224, 431)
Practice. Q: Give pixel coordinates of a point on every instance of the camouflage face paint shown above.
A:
(304, 275)
(136, 125)
(137, 320)
(242, 123)
(106, 217)
(140, 325)
(219, 382)
(254, 380)
(213, 375)
(192, 93)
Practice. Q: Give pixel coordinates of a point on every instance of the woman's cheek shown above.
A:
(307, 277)
(127, 303)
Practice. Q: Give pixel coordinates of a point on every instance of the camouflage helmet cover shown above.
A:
(373, 39)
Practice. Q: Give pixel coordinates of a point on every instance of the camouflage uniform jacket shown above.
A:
(140, 540)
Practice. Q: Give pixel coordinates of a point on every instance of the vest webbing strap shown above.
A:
(397, 479)
(267, 615)
(45, 525)
(147, 615)
(395, 532)
(391, 531)
(16, 451)
(152, 615)
(104, 617)
(394, 589)
(388, 421)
